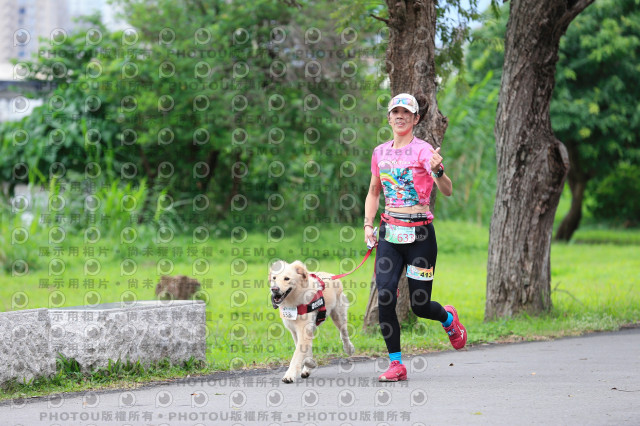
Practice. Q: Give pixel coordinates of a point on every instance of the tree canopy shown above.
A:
(595, 110)
(228, 103)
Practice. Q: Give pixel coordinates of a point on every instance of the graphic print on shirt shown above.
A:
(398, 186)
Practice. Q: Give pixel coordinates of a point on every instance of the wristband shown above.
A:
(366, 226)
(440, 172)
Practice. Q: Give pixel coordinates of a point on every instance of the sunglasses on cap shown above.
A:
(406, 100)
(402, 101)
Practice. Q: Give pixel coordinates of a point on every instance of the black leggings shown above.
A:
(391, 259)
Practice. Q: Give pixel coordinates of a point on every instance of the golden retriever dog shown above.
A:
(291, 286)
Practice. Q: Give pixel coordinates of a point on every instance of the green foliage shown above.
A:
(21, 238)
(238, 120)
(470, 101)
(193, 364)
(469, 151)
(213, 106)
(68, 366)
(453, 31)
(485, 53)
(594, 109)
(70, 131)
(118, 369)
(73, 212)
(270, 119)
(616, 198)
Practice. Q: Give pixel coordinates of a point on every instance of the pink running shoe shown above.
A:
(456, 331)
(395, 373)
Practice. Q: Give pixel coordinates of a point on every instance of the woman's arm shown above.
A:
(371, 208)
(444, 185)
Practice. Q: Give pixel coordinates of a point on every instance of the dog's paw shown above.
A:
(349, 348)
(288, 378)
(309, 365)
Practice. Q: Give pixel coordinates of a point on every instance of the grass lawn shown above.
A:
(593, 289)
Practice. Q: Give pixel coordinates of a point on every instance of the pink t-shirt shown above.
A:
(405, 173)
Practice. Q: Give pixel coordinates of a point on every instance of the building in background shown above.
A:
(22, 23)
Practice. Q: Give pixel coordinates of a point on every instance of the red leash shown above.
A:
(366, 256)
(393, 221)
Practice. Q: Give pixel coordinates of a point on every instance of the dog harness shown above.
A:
(317, 303)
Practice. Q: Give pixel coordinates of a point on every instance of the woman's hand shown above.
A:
(436, 160)
(369, 236)
(443, 182)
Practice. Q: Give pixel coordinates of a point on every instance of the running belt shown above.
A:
(408, 215)
(417, 219)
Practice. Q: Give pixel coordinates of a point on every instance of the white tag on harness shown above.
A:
(290, 313)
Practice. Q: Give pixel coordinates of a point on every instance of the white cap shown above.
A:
(404, 100)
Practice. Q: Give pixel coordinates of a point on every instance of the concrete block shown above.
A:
(145, 331)
(24, 345)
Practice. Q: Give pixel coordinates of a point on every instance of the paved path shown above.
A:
(592, 380)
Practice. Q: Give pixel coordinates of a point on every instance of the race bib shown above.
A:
(400, 234)
(290, 313)
(422, 274)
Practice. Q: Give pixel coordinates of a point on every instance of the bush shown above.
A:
(617, 197)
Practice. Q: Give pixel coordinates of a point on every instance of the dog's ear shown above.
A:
(300, 269)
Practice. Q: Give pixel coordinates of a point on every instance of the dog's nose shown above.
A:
(275, 289)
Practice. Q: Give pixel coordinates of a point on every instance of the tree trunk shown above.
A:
(212, 162)
(532, 163)
(410, 63)
(403, 307)
(572, 220)
(578, 177)
(237, 181)
(410, 60)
